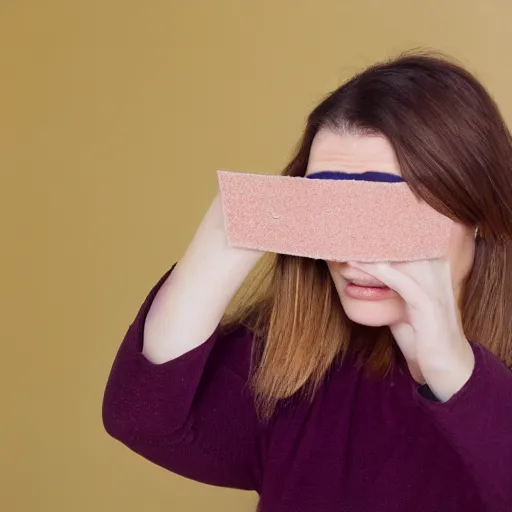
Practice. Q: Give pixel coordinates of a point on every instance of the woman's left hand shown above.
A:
(430, 335)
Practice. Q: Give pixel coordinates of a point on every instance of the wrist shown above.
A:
(447, 382)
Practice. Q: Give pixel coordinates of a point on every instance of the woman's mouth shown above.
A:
(366, 283)
(363, 289)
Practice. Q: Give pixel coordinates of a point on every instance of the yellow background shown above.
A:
(114, 116)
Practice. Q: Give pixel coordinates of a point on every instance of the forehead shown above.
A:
(333, 151)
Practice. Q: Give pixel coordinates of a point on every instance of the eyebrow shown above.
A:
(357, 176)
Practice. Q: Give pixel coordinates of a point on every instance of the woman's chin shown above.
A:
(373, 313)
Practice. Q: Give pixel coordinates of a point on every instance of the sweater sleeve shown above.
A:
(192, 415)
(478, 422)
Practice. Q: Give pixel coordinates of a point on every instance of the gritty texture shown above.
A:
(334, 220)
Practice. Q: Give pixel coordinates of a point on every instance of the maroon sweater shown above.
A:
(363, 444)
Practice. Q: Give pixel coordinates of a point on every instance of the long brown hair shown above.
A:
(455, 152)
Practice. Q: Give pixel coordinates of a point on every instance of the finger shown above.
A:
(433, 276)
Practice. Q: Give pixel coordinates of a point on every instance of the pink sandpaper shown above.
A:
(335, 220)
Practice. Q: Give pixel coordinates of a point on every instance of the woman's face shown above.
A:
(361, 301)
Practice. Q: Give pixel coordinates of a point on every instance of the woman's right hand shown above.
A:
(193, 300)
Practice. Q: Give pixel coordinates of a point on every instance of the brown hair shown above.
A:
(455, 152)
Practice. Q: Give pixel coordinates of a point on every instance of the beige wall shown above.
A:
(114, 116)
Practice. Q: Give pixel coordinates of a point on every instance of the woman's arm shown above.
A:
(478, 422)
(474, 388)
(191, 303)
(177, 393)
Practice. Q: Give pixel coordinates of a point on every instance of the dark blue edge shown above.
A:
(359, 176)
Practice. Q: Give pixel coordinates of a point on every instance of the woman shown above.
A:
(313, 395)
